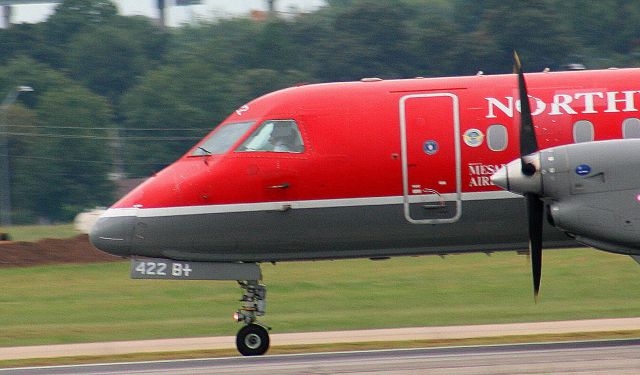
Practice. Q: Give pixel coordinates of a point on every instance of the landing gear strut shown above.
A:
(252, 339)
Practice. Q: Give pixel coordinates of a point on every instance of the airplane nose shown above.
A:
(113, 234)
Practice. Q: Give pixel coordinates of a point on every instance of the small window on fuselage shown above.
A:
(497, 137)
(223, 139)
(274, 136)
(631, 128)
(583, 131)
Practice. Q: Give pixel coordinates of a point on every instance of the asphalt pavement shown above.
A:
(589, 357)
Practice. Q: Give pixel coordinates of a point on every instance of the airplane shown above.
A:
(382, 168)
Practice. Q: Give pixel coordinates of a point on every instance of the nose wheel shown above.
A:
(252, 339)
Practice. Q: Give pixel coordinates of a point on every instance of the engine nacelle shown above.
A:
(592, 190)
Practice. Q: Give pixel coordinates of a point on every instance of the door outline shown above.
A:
(407, 200)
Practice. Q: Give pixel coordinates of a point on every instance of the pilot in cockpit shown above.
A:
(274, 136)
(283, 138)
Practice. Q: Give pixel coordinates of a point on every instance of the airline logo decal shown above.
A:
(583, 169)
(566, 104)
(480, 174)
(430, 147)
(473, 137)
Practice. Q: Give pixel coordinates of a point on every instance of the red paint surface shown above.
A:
(351, 133)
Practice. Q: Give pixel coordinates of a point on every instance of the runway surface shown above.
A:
(590, 357)
(332, 337)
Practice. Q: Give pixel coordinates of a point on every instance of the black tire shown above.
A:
(252, 339)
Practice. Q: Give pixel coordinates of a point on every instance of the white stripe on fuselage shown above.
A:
(309, 204)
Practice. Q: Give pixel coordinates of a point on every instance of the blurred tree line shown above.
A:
(114, 90)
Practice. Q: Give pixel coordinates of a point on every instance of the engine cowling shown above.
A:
(592, 190)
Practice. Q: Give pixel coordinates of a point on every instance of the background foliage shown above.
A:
(111, 88)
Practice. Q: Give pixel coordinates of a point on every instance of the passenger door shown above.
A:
(431, 161)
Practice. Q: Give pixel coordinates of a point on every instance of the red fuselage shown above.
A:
(377, 159)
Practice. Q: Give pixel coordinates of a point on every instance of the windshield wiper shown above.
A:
(205, 150)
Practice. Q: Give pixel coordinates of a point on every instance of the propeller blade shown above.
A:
(535, 205)
(535, 213)
(528, 141)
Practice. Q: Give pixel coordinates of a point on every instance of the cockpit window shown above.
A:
(221, 140)
(274, 136)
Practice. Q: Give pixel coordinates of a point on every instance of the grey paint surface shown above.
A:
(324, 233)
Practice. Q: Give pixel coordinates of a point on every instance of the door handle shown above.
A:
(284, 185)
(440, 204)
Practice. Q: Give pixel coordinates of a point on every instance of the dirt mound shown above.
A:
(51, 251)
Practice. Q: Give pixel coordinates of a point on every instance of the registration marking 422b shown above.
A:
(154, 269)
(159, 268)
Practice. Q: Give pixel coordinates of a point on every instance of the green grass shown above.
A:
(36, 232)
(84, 303)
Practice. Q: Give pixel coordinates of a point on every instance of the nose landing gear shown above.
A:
(252, 339)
